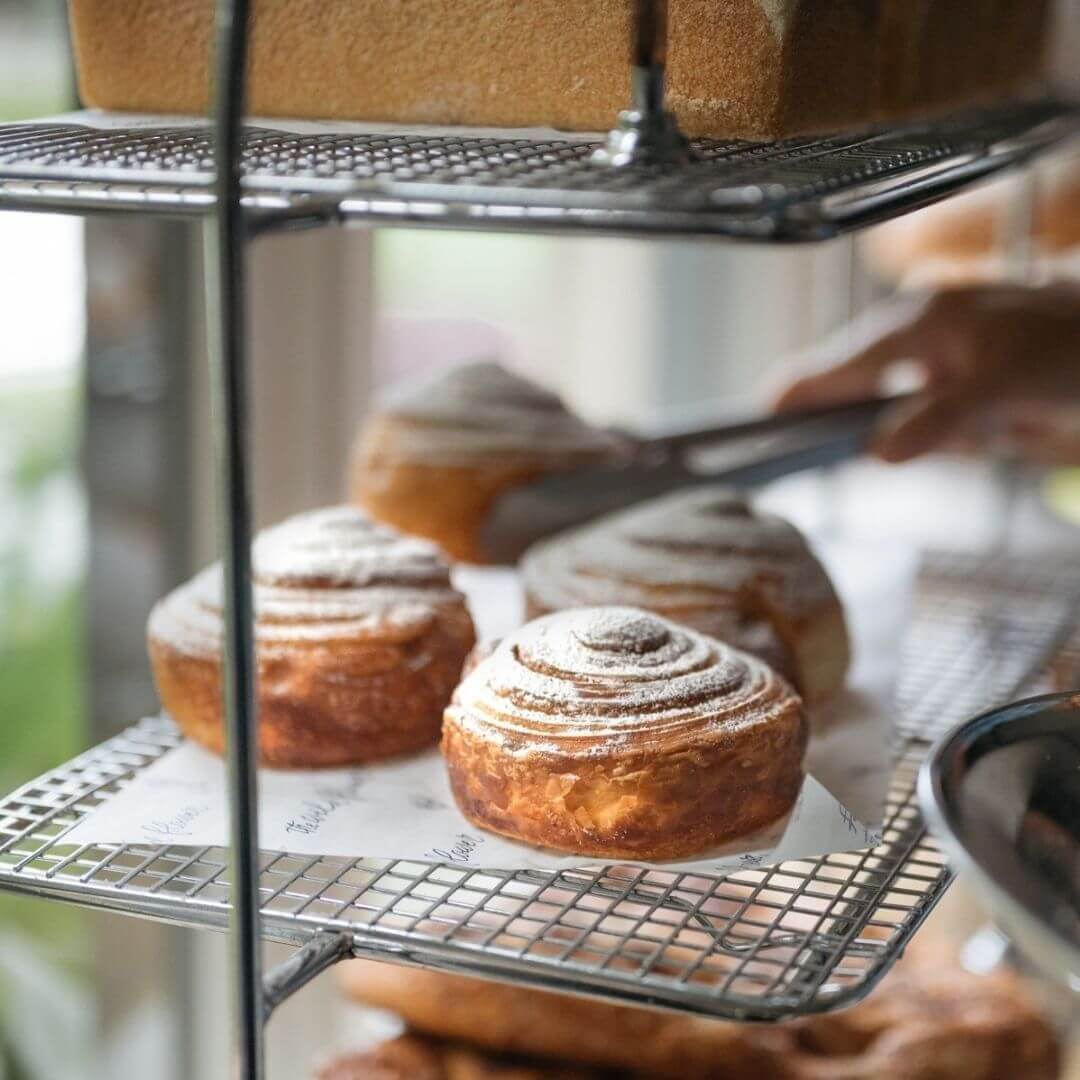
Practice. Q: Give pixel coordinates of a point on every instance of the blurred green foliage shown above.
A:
(41, 620)
(41, 656)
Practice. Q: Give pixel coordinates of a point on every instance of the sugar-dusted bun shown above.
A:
(705, 558)
(360, 640)
(434, 461)
(927, 1021)
(616, 733)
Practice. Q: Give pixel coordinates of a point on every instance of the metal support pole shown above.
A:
(227, 337)
(646, 132)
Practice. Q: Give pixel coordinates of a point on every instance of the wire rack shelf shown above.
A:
(799, 189)
(765, 943)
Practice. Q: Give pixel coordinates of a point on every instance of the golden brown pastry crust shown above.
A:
(359, 642)
(435, 460)
(928, 1021)
(444, 503)
(615, 733)
(414, 1057)
(511, 1020)
(705, 558)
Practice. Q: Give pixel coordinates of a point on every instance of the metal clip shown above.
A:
(646, 133)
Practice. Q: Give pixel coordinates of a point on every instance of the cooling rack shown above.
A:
(760, 944)
(799, 189)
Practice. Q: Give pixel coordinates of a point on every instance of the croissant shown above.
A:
(705, 558)
(360, 640)
(616, 733)
(438, 457)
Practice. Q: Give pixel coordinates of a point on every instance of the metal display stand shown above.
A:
(765, 943)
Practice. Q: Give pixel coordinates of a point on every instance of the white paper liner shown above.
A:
(404, 809)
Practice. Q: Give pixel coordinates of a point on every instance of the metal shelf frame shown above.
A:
(804, 189)
(765, 943)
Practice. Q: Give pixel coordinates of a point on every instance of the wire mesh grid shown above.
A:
(763, 943)
(979, 625)
(799, 188)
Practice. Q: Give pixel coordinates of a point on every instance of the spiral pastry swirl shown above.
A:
(617, 733)
(706, 558)
(359, 637)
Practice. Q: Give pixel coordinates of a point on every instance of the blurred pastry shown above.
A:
(962, 241)
(704, 557)
(414, 1057)
(616, 733)
(360, 640)
(928, 1021)
(434, 461)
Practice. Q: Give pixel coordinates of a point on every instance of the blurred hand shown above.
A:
(1000, 367)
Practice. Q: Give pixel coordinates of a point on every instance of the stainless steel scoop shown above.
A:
(1002, 793)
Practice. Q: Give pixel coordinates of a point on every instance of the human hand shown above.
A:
(1000, 365)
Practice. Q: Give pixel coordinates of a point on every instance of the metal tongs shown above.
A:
(742, 454)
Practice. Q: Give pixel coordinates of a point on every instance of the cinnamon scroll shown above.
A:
(436, 459)
(360, 640)
(616, 733)
(705, 558)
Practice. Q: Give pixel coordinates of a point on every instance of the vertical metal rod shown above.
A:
(227, 332)
(649, 55)
(646, 132)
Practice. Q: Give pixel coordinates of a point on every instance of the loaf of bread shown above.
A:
(738, 68)
(938, 53)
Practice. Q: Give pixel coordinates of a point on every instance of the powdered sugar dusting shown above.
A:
(342, 546)
(478, 409)
(703, 547)
(600, 675)
(318, 577)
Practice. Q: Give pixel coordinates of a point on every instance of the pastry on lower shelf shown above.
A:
(929, 1020)
(705, 558)
(414, 1057)
(434, 461)
(616, 733)
(359, 638)
(965, 240)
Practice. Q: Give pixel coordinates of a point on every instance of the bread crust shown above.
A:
(687, 745)
(351, 668)
(737, 68)
(350, 704)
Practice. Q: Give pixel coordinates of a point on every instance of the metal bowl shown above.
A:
(1002, 794)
